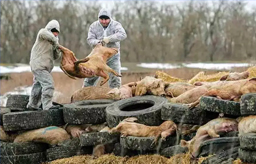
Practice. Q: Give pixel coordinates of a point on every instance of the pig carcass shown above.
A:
(150, 85)
(51, 135)
(212, 129)
(190, 96)
(129, 128)
(91, 93)
(247, 125)
(68, 67)
(125, 91)
(95, 63)
(177, 88)
(233, 90)
(235, 76)
(226, 90)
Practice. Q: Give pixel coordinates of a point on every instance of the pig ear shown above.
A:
(246, 73)
(253, 79)
(166, 84)
(224, 78)
(131, 84)
(110, 92)
(183, 143)
(198, 83)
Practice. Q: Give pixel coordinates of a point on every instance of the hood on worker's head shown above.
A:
(104, 12)
(53, 24)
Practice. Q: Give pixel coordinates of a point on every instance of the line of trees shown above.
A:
(157, 32)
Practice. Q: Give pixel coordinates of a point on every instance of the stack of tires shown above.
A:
(247, 150)
(79, 113)
(16, 118)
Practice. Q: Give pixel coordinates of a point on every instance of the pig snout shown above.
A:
(227, 127)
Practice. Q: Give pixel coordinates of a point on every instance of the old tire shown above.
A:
(147, 109)
(182, 114)
(95, 138)
(173, 150)
(146, 143)
(86, 112)
(33, 158)
(247, 155)
(216, 145)
(222, 156)
(8, 148)
(17, 102)
(67, 149)
(248, 104)
(248, 141)
(213, 104)
(3, 111)
(32, 119)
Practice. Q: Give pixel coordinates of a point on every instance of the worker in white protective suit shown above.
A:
(44, 52)
(110, 32)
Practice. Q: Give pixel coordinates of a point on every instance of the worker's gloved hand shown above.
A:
(106, 40)
(56, 46)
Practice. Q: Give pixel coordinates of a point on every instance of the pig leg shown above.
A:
(78, 62)
(105, 76)
(194, 104)
(107, 68)
(115, 129)
(213, 134)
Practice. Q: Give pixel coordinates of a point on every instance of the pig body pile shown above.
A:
(208, 131)
(233, 90)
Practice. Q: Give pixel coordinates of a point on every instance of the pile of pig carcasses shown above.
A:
(150, 110)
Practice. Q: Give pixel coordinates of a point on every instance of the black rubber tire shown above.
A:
(120, 151)
(222, 156)
(145, 143)
(213, 104)
(247, 155)
(216, 145)
(248, 141)
(248, 104)
(86, 112)
(67, 149)
(173, 150)
(17, 102)
(182, 114)
(32, 119)
(8, 148)
(4, 110)
(95, 138)
(148, 110)
(33, 158)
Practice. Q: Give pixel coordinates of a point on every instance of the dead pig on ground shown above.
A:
(208, 131)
